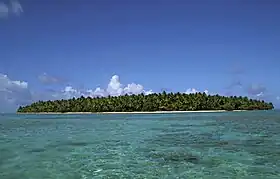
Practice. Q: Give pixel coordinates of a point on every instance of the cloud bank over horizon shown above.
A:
(14, 93)
(114, 88)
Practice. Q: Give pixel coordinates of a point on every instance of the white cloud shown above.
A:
(206, 92)
(114, 88)
(193, 90)
(278, 97)
(260, 94)
(70, 92)
(8, 84)
(148, 92)
(134, 89)
(97, 92)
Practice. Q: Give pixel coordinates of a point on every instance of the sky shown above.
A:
(62, 49)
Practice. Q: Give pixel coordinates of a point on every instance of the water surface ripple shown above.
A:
(194, 145)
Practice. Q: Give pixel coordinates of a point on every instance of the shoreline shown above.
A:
(137, 112)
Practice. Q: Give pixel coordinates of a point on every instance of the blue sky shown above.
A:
(59, 49)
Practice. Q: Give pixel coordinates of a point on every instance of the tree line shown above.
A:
(152, 102)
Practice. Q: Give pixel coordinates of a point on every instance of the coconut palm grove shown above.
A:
(152, 102)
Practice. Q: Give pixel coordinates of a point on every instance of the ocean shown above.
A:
(232, 145)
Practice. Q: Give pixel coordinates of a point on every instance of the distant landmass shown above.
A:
(147, 103)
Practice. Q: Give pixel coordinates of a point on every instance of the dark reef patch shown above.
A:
(36, 150)
(173, 157)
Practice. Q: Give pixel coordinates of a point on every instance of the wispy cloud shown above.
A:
(256, 89)
(11, 8)
(235, 83)
(48, 79)
(4, 10)
(238, 86)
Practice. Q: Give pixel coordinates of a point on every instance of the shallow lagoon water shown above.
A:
(192, 145)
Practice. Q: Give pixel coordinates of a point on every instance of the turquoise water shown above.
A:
(194, 145)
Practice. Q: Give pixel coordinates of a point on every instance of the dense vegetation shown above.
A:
(153, 102)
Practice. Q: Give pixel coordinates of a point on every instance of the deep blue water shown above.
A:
(193, 145)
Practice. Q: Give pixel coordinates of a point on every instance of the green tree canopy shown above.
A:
(153, 102)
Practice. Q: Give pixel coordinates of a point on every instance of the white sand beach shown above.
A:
(138, 112)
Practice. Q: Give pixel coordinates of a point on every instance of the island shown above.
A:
(165, 102)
